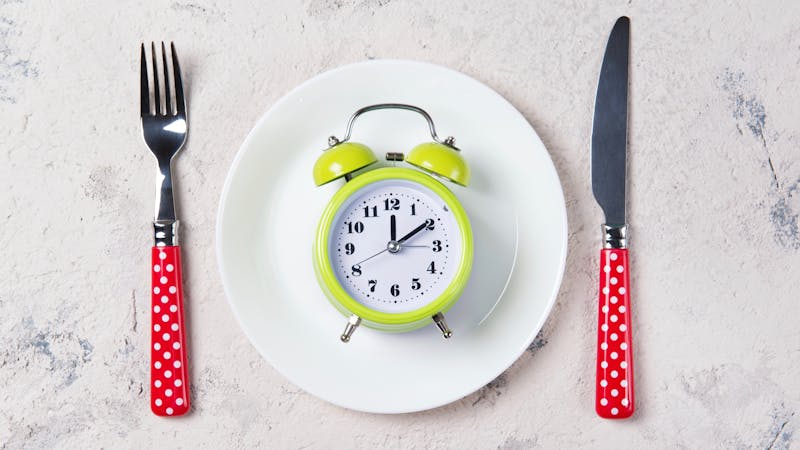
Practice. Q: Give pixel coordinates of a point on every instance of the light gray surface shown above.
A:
(714, 203)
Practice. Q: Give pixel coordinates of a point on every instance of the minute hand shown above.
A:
(413, 232)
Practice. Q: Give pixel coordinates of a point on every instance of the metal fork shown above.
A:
(164, 126)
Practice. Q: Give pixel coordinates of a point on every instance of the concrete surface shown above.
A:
(714, 204)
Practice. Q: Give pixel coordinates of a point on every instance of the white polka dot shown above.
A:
(156, 290)
(174, 327)
(613, 318)
(604, 401)
(156, 327)
(158, 402)
(622, 290)
(605, 290)
(614, 411)
(170, 411)
(173, 289)
(173, 308)
(163, 280)
(624, 402)
(624, 364)
(603, 383)
(177, 365)
(157, 383)
(620, 268)
(165, 336)
(604, 346)
(614, 336)
(156, 268)
(178, 382)
(614, 355)
(614, 392)
(176, 345)
(607, 268)
(622, 309)
(614, 299)
(162, 255)
(168, 374)
(623, 383)
(623, 327)
(179, 401)
(613, 280)
(165, 318)
(605, 308)
(167, 355)
(157, 346)
(604, 327)
(168, 392)
(614, 374)
(164, 299)
(604, 364)
(157, 364)
(170, 268)
(623, 346)
(613, 257)
(156, 309)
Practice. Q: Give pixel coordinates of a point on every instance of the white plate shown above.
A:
(270, 208)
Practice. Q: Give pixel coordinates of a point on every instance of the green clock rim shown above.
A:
(334, 289)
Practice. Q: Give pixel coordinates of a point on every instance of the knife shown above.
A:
(614, 399)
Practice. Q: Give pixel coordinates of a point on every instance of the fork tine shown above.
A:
(180, 103)
(157, 98)
(167, 99)
(144, 87)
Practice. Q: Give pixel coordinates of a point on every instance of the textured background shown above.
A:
(714, 203)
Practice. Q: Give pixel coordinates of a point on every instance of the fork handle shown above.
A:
(169, 381)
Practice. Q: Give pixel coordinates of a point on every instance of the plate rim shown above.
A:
(224, 194)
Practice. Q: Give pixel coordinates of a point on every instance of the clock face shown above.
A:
(395, 246)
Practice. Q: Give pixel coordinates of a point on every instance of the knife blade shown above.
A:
(614, 382)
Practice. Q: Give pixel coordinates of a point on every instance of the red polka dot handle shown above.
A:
(614, 346)
(169, 383)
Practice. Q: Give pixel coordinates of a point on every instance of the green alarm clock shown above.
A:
(393, 249)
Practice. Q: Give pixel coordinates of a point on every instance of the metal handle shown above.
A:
(449, 141)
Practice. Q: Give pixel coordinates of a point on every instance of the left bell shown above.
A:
(340, 160)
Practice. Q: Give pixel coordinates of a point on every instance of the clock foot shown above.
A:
(352, 324)
(438, 318)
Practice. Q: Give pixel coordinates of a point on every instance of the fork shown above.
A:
(164, 126)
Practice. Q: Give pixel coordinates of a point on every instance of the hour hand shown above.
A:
(421, 227)
(393, 228)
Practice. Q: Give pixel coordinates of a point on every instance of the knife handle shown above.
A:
(615, 398)
(169, 381)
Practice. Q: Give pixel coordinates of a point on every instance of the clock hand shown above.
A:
(416, 246)
(413, 232)
(393, 228)
(376, 254)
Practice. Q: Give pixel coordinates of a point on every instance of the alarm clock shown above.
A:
(393, 249)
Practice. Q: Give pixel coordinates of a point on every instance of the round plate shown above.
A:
(270, 208)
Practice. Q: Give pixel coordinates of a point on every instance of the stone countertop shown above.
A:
(714, 199)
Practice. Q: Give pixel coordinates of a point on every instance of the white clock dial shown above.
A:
(398, 271)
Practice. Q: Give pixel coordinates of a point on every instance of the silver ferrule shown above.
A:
(438, 318)
(352, 323)
(615, 236)
(165, 233)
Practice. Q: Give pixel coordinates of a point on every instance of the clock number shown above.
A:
(413, 209)
(358, 227)
(391, 203)
(415, 284)
(372, 284)
(431, 268)
(356, 270)
(437, 246)
(429, 224)
(349, 248)
(370, 211)
(395, 290)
